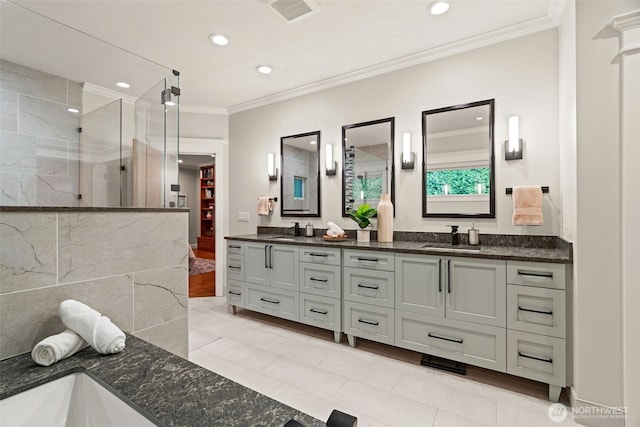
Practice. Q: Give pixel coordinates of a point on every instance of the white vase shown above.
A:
(364, 236)
(385, 219)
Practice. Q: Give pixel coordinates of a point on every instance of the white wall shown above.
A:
(599, 375)
(522, 76)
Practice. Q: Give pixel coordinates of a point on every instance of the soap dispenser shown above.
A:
(296, 229)
(474, 235)
(309, 229)
(455, 239)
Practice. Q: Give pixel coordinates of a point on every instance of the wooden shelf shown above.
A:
(207, 205)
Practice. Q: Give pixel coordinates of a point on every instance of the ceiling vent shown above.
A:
(292, 10)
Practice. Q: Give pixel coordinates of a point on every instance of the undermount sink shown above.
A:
(450, 247)
(75, 400)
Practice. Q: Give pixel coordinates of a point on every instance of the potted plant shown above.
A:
(362, 216)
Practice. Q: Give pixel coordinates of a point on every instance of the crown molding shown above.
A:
(108, 93)
(556, 10)
(492, 37)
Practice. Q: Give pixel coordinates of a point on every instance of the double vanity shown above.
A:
(498, 307)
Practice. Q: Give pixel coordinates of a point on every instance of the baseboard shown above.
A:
(594, 414)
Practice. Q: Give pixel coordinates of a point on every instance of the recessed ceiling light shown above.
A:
(180, 161)
(170, 103)
(313, 142)
(439, 7)
(479, 118)
(123, 85)
(219, 39)
(264, 69)
(73, 110)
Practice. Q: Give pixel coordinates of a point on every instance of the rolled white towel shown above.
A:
(333, 230)
(93, 327)
(57, 347)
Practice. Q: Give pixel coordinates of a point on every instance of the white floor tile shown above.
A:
(385, 407)
(480, 408)
(306, 370)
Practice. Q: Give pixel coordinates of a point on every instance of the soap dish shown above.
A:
(335, 238)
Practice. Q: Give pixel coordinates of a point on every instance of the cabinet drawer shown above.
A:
(235, 293)
(542, 275)
(369, 287)
(234, 247)
(479, 345)
(370, 322)
(320, 311)
(329, 256)
(278, 303)
(536, 310)
(235, 267)
(372, 260)
(320, 279)
(536, 357)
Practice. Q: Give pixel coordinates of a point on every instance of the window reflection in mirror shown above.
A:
(458, 179)
(300, 179)
(367, 163)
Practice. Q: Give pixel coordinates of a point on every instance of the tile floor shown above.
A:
(302, 367)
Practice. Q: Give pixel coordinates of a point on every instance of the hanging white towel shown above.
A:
(263, 206)
(527, 205)
(57, 347)
(93, 327)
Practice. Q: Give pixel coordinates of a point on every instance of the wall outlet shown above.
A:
(243, 216)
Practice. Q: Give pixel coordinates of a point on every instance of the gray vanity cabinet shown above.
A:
(452, 307)
(420, 284)
(536, 323)
(321, 288)
(476, 291)
(272, 265)
(369, 295)
(234, 286)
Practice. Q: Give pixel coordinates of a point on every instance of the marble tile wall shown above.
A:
(39, 139)
(130, 266)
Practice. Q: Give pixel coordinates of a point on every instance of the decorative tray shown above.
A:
(336, 238)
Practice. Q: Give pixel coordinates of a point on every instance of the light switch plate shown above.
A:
(243, 216)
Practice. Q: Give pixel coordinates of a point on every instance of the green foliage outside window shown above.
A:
(460, 181)
(372, 188)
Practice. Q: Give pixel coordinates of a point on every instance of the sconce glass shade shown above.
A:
(272, 171)
(330, 164)
(513, 146)
(407, 155)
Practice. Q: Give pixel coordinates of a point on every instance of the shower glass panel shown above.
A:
(155, 146)
(100, 180)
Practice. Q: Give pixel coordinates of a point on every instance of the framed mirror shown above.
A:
(458, 161)
(367, 163)
(300, 177)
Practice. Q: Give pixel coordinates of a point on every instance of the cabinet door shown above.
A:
(420, 282)
(477, 291)
(256, 267)
(283, 263)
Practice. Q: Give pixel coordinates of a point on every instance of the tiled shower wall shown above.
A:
(130, 266)
(39, 139)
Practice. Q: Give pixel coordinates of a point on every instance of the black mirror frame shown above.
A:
(492, 189)
(282, 209)
(391, 121)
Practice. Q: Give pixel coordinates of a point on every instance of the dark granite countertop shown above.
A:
(169, 390)
(558, 255)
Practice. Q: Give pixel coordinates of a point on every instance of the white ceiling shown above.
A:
(342, 41)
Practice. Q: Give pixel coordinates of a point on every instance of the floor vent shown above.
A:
(291, 10)
(444, 364)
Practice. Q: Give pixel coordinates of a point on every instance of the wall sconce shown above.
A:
(513, 147)
(330, 165)
(407, 155)
(272, 170)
